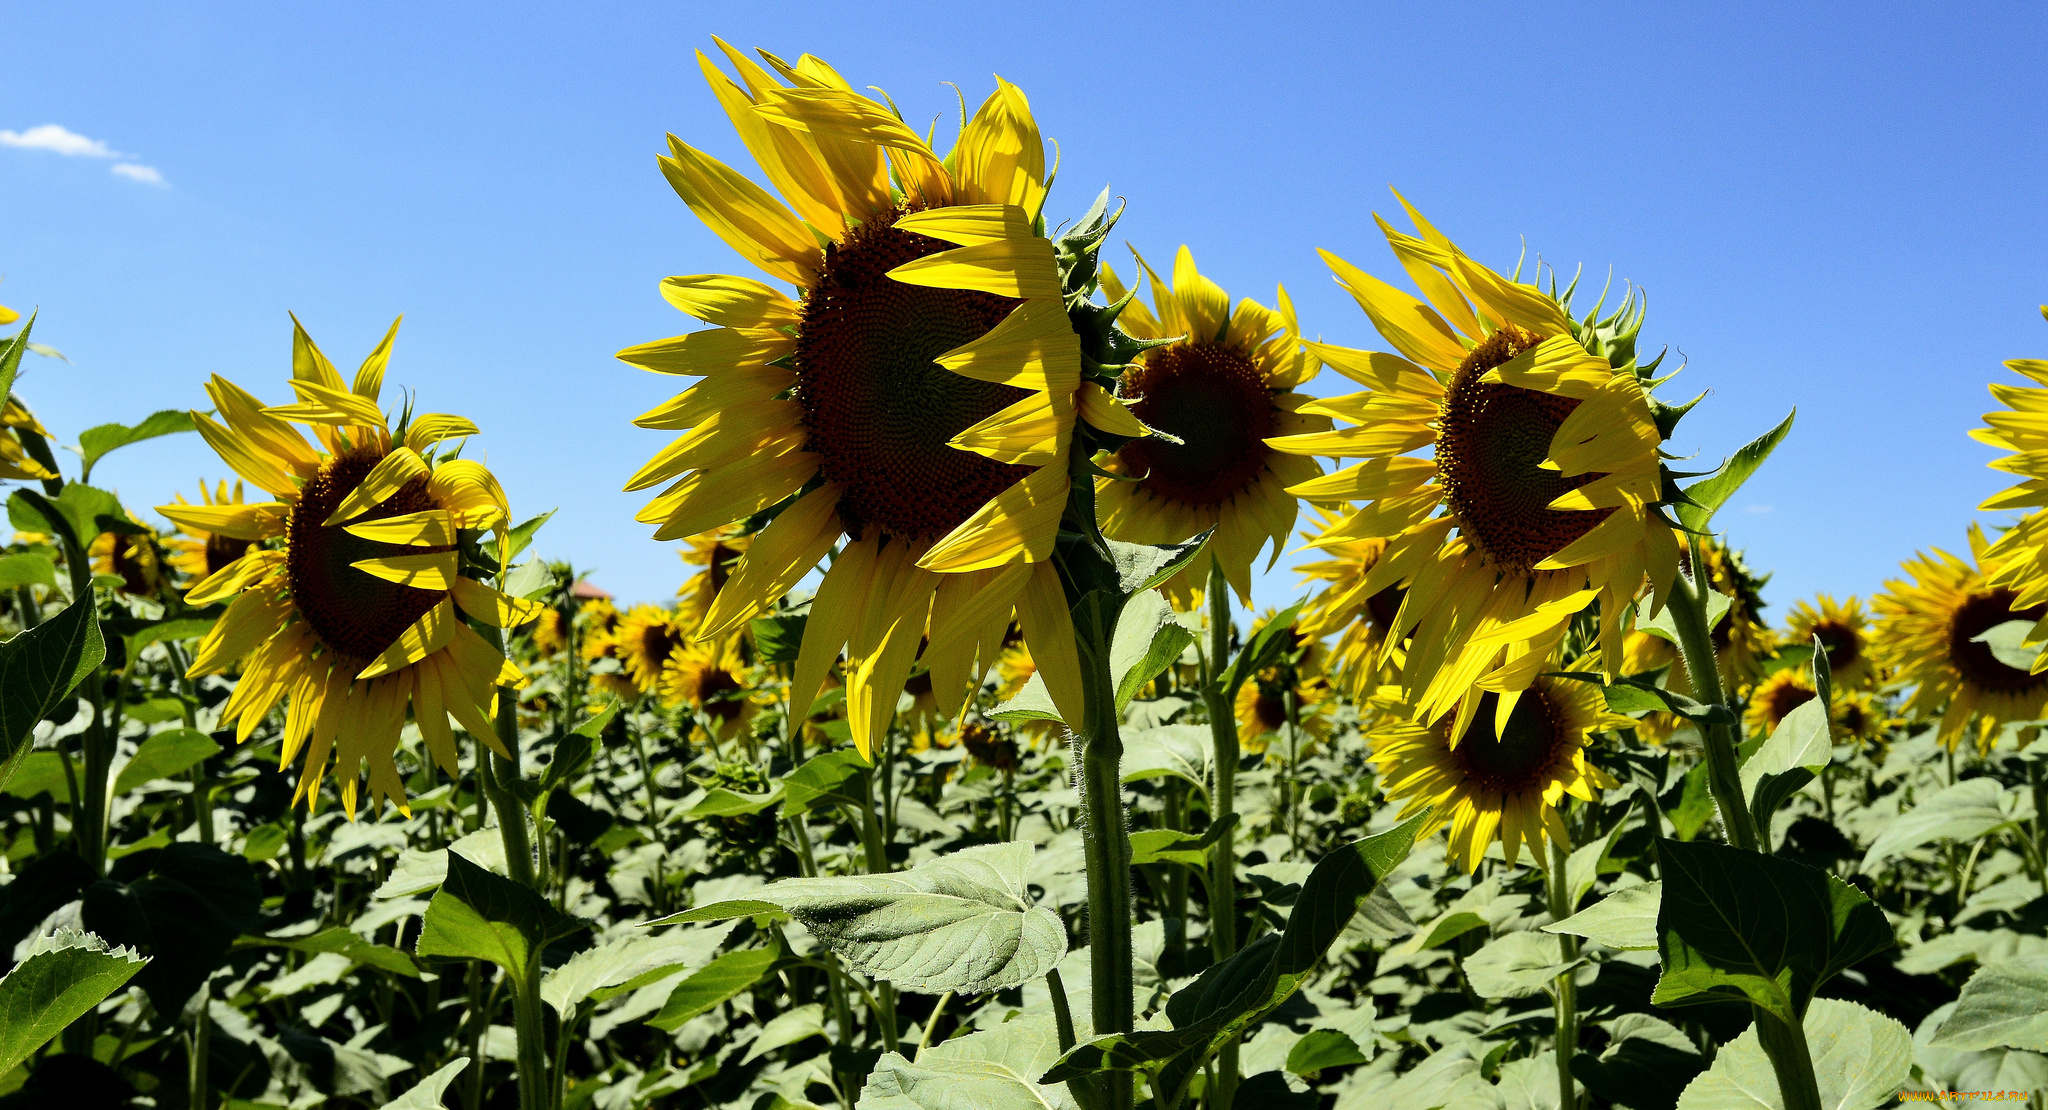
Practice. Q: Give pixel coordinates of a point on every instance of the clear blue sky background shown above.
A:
(1839, 213)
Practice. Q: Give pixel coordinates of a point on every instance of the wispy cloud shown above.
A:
(58, 138)
(146, 174)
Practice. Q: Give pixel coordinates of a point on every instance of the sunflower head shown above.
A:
(131, 557)
(1862, 717)
(1277, 697)
(198, 553)
(1221, 381)
(1775, 698)
(711, 679)
(1500, 770)
(989, 747)
(1545, 489)
(717, 552)
(345, 604)
(1843, 633)
(646, 637)
(2021, 554)
(1362, 622)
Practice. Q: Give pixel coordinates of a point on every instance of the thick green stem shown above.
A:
(1689, 615)
(529, 1024)
(1107, 847)
(1222, 805)
(2039, 783)
(1566, 988)
(1785, 1045)
(197, 1050)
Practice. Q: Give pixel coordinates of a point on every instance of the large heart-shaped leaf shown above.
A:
(2004, 1005)
(1624, 919)
(477, 915)
(1965, 811)
(39, 666)
(65, 975)
(994, 1069)
(1860, 1060)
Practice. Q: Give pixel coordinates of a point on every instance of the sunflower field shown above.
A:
(961, 773)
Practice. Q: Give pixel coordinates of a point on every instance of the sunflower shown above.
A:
(2021, 553)
(15, 462)
(347, 607)
(600, 629)
(1776, 697)
(1223, 385)
(198, 553)
(711, 679)
(1500, 779)
(1927, 631)
(1861, 717)
(647, 635)
(1546, 486)
(1262, 708)
(989, 746)
(550, 632)
(132, 558)
(716, 551)
(918, 397)
(1842, 633)
(1360, 621)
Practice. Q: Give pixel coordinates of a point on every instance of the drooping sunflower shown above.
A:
(2021, 554)
(1776, 697)
(1545, 489)
(1361, 622)
(918, 397)
(132, 558)
(1842, 631)
(1224, 387)
(1262, 709)
(15, 461)
(198, 553)
(711, 679)
(1927, 631)
(345, 606)
(717, 551)
(647, 635)
(1499, 779)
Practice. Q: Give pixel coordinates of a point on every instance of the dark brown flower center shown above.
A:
(1781, 698)
(1270, 710)
(1978, 614)
(1490, 444)
(1216, 400)
(353, 612)
(132, 565)
(878, 408)
(1530, 752)
(223, 550)
(1382, 607)
(719, 694)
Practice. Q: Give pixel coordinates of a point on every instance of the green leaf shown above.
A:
(37, 669)
(184, 628)
(66, 974)
(838, 777)
(1798, 749)
(79, 512)
(185, 913)
(779, 637)
(1664, 625)
(1323, 1048)
(339, 941)
(787, 1028)
(1965, 811)
(1230, 996)
(10, 364)
(1625, 919)
(27, 568)
(994, 1069)
(530, 579)
(1517, 965)
(1754, 926)
(1645, 1066)
(1148, 640)
(2008, 643)
(1141, 567)
(1178, 751)
(575, 751)
(727, 976)
(163, 755)
(1032, 703)
(1860, 1060)
(94, 443)
(1172, 846)
(40, 773)
(627, 964)
(961, 922)
(521, 536)
(722, 802)
(1712, 492)
(428, 1092)
(480, 916)
(1262, 650)
(2004, 1005)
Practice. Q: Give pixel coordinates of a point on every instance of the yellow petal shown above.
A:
(1000, 157)
(823, 178)
(1368, 480)
(1018, 525)
(430, 428)
(1357, 443)
(849, 115)
(1032, 432)
(835, 611)
(391, 474)
(743, 214)
(735, 387)
(499, 610)
(1411, 326)
(258, 469)
(1033, 348)
(370, 378)
(1049, 632)
(308, 364)
(884, 643)
(471, 492)
(1101, 408)
(733, 302)
(1204, 306)
(319, 404)
(1519, 304)
(427, 528)
(970, 225)
(431, 571)
(751, 429)
(268, 435)
(710, 352)
(424, 637)
(704, 499)
(252, 618)
(237, 576)
(781, 554)
(258, 520)
(1021, 268)
(1377, 369)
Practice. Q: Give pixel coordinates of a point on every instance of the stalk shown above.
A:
(1689, 615)
(1108, 848)
(2040, 789)
(1566, 986)
(1222, 804)
(1786, 1046)
(529, 1023)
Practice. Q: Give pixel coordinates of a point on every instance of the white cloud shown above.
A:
(56, 137)
(146, 174)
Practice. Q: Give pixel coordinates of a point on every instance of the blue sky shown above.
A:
(1839, 214)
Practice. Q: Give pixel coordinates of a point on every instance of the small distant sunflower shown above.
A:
(550, 632)
(1861, 717)
(1224, 388)
(1776, 697)
(718, 552)
(1927, 631)
(353, 616)
(600, 620)
(131, 558)
(198, 553)
(989, 747)
(15, 463)
(647, 635)
(1842, 631)
(1262, 709)
(1360, 621)
(1545, 488)
(1500, 780)
(2021, 554)
(711, 679)
(918, 398)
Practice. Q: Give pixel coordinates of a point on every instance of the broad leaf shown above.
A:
(1148, 640)
(338, 940)
(1626, 918)
(627, 964)
(994, 1069)
(1860, 1060)
(1965, 811)
(961, 922)
(1141, 567)
(79, 511)
(427, 1093)
(65, 975)
(1323, 1048)
(838, 777)
(1517, 965)
(1262, 650)
(37, 669)
(1753, 926)
(185, 913)
(2004, 1005)
(2008, 644)
(94, 443)
(480, 916)
(1180, 751)
(27, 568)
(1713, 491)
(787, 1028)
(1798, 748)
(727, 976)
(1169, 846)
(164, 754)
(1664, 625)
